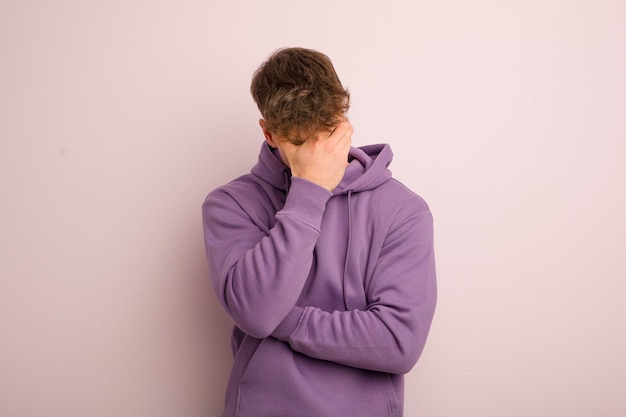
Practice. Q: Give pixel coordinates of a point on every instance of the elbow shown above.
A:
(403, 367)
(258, 323)
(254, 330)
(407, 350)
(404, 359)
(410, 343)
(254, 318)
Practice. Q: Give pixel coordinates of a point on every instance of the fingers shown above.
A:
(341, 136)
(321, 159)
(343, 128)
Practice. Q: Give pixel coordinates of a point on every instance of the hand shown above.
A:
(321, 159)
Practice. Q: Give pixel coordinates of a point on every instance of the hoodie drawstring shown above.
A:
(345, 266)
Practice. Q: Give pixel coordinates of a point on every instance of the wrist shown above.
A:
(317, 181)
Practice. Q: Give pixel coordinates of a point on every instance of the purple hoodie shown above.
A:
(332, 294)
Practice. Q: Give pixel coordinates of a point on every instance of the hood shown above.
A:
(367, 168)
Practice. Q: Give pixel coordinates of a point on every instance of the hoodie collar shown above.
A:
(270, 168)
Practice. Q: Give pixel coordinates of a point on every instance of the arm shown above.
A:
(258, 276)
(390, 334)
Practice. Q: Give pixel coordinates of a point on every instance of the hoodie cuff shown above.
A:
(289, 325)
(306, 201)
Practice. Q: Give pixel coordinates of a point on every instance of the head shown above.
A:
(299, 95)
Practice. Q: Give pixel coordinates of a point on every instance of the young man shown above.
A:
(324, 261)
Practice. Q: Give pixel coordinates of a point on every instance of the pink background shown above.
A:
(117, 117)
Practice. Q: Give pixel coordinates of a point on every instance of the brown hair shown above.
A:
(299, 93)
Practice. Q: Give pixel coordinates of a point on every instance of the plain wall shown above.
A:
(118, 117)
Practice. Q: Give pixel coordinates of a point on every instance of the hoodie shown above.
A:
(332, 293)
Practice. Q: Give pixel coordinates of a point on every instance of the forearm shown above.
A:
(377, 339)
(390, 333)
(259, 276)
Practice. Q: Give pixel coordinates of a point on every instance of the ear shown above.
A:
(269, 137)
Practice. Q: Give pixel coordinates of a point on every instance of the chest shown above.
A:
(346, 253)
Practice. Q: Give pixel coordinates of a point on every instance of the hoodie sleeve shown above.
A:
(256, 275)
(390, 334)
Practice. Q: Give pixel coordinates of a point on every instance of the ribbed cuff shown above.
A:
(306, 201)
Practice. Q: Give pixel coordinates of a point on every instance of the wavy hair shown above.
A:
(299, 93)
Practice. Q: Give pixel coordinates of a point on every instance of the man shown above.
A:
(324, 262)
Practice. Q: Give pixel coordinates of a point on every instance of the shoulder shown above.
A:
(407, 213)
(245, 187)
(246, 197)
(395, 194)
